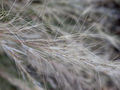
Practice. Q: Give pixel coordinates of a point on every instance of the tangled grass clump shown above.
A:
(59, 45)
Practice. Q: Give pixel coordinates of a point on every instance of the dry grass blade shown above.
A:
(61, 44)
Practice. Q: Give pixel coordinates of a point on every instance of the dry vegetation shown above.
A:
(59, 45)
